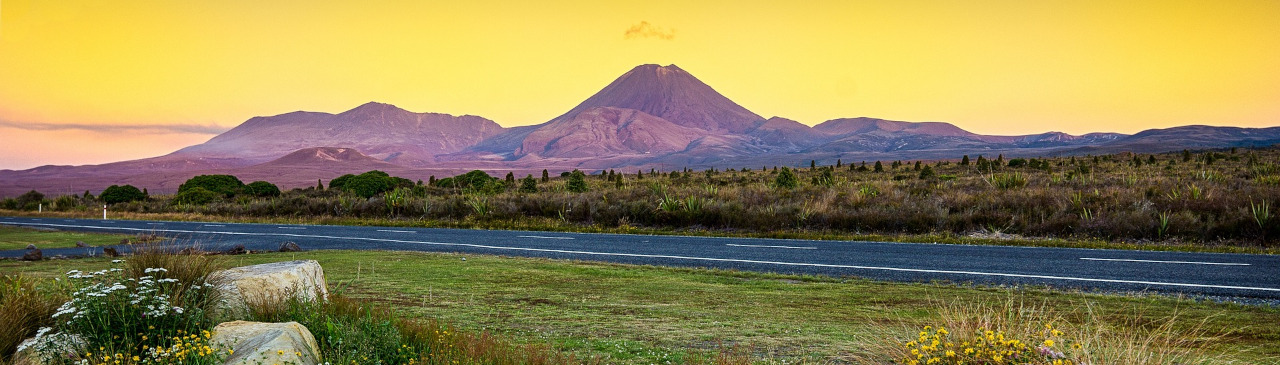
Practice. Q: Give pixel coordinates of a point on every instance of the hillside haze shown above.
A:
(650, 117)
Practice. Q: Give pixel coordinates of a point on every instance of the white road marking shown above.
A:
(394, 231)
(768, 246)
(292, 227)
(1169, 262)
(547, 237)
(213, 225)
(695, 258)
(156, 224)
(68, 220)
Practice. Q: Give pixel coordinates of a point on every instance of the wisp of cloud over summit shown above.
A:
(646, 30)
(119, 128)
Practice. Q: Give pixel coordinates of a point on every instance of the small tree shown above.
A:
(545, 176)
(262, 189)
(30, 198)
(226, 185)
(528, 184)
(786, 179)
(195, 196)
(121, 194)
(511, 178)
(879, 167)
(926, 173)
(964, 161)
(577, 182)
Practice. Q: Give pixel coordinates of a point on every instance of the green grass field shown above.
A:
(643, 314)
(13, 238)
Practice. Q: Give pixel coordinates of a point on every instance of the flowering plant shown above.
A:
(119, 315)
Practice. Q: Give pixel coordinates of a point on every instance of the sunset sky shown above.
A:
(99, 81)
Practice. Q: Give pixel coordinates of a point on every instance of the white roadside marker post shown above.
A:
(40, 208)
(104, 212)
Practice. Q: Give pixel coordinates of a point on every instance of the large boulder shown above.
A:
(266, 343)
(42, 349)
(269, 284)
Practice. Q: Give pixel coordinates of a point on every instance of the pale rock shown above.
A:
(266, 343)
(269, 284)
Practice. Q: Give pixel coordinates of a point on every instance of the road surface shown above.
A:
(1209, 274)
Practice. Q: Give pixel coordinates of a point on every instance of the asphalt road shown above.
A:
(1210, 274)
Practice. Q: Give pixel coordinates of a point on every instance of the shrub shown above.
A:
(577, 182)
(120, 313)
(226, 185)
(528, 184)
(121, 194)
(475, 181)
(30, 199)
(262, 189)
(786, 179)
(195, 196)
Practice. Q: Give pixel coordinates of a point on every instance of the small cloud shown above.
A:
(119, 128)
(646, 30)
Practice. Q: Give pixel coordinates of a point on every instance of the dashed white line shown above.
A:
(394, 231)
(156, 224)
(1168, 262)
(292, 227)
(768, 246)
(547, 237)
(695, 258)
(213, 225)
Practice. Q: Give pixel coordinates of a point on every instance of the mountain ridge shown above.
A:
(650, 116)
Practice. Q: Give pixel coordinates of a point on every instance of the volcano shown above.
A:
(651, 116)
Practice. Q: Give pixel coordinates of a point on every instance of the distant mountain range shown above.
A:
(650, 117)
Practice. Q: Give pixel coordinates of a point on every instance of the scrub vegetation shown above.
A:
(1222, 200)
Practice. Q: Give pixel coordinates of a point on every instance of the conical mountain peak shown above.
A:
(674, 94)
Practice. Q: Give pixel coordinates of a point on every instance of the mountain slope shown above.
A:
(380, 130)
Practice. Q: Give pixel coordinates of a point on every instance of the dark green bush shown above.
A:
(226, 185)
(786, 179)
(262, 189)
(195, 196)
(577, 182)
(121, 194)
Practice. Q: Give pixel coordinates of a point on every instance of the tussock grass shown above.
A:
(23, 310)
(1086, 335)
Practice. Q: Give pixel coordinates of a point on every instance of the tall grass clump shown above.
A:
(23, 311)
(1015, 332)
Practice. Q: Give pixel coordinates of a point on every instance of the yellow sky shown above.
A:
(993, 67)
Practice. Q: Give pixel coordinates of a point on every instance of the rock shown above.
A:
(190, 251)
(238, 250)
(70, 346)
(81, 244)
(266, 343)
(33, 255)
(269, 284)
(290, 246)
(110, 251)
(147, 237)
(125, 241)
(31, 246)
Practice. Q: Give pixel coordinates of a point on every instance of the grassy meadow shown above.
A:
(570, 311)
